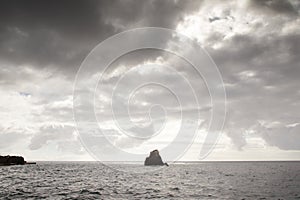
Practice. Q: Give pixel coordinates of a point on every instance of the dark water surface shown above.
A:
(212, 180)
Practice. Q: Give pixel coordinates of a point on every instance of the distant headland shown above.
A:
(13, 160)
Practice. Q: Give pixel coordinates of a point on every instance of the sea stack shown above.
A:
(154, 159)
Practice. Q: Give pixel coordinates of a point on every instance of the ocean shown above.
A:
(205, 180)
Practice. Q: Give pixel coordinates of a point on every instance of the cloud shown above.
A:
(212, 19)
(277, 6)
(283, 137)
(48, 133)
(255, 44)
(256, 55)
(8, 139)
(57, 35)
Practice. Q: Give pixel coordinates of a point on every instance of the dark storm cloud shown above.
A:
(44, 33)
(278, 6)
(212, 19)
(149, 13)
(60, 34)
(261, 53)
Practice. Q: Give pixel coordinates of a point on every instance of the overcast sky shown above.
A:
(255, 45)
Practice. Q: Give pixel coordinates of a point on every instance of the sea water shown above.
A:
(206, 180)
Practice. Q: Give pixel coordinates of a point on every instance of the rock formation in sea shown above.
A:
(12, 160)
(154, 159)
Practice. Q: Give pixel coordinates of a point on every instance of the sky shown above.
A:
(44, 46)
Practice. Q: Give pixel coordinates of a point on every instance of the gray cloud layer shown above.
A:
(44, 33)
(42, 44)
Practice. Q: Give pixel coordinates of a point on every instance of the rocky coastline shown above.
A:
(13, 160)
